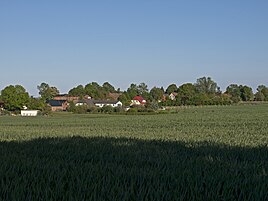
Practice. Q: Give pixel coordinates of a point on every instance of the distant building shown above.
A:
(138, 100)
(65, 97)
(172, 96)
(88, 102)
(29, 113)
(102, 103)
(58, 105)
(99, 103)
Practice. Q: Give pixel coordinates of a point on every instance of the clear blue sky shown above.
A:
(65, 43)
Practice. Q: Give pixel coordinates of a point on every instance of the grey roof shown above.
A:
(86, 101)
(105, 101)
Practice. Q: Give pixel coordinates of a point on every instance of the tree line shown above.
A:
(204, 91)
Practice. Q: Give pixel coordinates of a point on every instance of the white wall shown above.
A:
(29, 112)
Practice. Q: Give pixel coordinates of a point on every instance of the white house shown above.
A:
(29, 113)
(173, 95)
(138, 100)
(101, 103)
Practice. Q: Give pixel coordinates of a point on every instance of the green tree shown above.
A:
(15, 97)
(142, 89)
(108, 87)
(206, 85)
(46, 92)
(264, 90)
(171, 88)
(234, 92)
(186, 94)
(77, 91)
(156, 93)
(132, 91)
(246, 93)
(124, 98)
(259, 96)
(95, 91)
(36, 104)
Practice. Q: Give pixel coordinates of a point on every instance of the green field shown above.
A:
(209, 153)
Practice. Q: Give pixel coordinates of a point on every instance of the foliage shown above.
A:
(246, 93)
(234, 91)
(96, 91)
(171, 88)
(156, 93)
(77, 91)
(153, 105)
(108, 87)
(206, 85)
(15, 97)
(186, 94)
(46, 92)
(262, 93)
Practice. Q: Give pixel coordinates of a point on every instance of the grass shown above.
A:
(209, 153)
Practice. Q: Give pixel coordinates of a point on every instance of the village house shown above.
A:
(99, 103)
(58, 105)
(172, 96)
(88, 102)
(138, 100)
(102, 103)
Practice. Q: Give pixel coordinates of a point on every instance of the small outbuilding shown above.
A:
(29, 113)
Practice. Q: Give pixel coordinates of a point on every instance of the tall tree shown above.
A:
(156, 93)
(108, 87)
(15, 97)
(171, 88)
(246, 93)
(263, 91)
(233, 90)
(77, 91)
(206, 85)
(142, 89)
(132, 90)
(186, 93)
(46, 92)
(96, 91)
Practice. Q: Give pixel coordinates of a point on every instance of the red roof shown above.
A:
(140, 99)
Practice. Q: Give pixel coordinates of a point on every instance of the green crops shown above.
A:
(209, 153)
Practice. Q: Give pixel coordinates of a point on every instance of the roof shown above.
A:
(139, 98)
(174, 94)
(55, 103)
(114, 96)
(86, 101)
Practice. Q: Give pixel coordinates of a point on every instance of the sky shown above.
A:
(66, 43)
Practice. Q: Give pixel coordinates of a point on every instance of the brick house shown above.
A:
(58, 105)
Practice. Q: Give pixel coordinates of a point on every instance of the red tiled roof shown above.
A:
(140, 99)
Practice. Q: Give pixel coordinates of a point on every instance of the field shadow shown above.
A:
(103, 168)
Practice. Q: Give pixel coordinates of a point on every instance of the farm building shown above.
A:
(66, 97)
(88, 102)
(27, 113)
(58, 105)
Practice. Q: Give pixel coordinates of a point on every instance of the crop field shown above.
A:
(206, 153)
